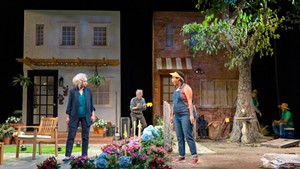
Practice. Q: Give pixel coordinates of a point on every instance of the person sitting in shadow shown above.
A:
(202, 127)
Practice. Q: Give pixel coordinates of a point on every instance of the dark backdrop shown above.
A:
(276, 78)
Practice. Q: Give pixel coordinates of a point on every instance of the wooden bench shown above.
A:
(1, 152)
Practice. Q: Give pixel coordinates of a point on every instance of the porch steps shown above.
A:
(94, 138)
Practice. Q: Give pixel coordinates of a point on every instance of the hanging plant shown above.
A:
(96, 78)
(22, 81)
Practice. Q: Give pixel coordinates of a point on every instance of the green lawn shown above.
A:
(46, 149)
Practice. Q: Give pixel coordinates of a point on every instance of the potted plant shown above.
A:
(99, 125)
(22, 81)
(6, 132)
(14, 121)
(95, 79)
(17, 113)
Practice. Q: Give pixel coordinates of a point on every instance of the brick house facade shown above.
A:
(214, 86)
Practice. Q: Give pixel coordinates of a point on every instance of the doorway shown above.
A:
(42, 95)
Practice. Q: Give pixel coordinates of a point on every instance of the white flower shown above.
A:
(17, 134)
(100, 122)
(13, 119)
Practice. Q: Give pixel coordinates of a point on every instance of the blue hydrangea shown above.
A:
(155, 133)
(125, 161)
(147, 136)
(102, 155)
(101, 163)
(151, 129)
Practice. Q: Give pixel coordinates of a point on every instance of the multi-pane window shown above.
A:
(68, 37)
(167, 89)
(218, 93)
(169, 36)
(103, 94)
(193, 41)
(99, 36)
(39, 34)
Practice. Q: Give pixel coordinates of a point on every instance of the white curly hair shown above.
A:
(79, 78)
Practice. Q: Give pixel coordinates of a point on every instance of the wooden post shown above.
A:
(125, 136)
(134, 127)
(140, 130)
(1, 152)
(167, 127)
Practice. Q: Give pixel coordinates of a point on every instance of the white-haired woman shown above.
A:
(81, 109)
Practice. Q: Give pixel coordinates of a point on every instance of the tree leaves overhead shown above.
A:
(247, 28)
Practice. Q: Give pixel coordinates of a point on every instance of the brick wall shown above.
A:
(213, 66)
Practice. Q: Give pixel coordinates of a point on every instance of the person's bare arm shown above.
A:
(189, 96)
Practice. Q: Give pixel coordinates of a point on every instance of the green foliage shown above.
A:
(22, 81)
(159, 121)
(263, 130)
(243, 33)
(100, 122)
(6, 130)
(95, 80)
(82, 162)
(50, 162)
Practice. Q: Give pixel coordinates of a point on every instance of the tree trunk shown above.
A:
(245, 107)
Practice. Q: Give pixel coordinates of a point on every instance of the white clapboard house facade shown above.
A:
(58, 44)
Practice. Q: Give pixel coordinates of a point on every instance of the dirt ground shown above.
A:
(230, 155)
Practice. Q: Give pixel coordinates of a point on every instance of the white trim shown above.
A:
(169, 63)
(158, 63)
(188, 63)
(178, 63)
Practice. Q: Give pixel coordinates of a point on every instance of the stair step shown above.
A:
(93, 138)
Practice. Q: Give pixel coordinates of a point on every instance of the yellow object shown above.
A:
(227, 120)
(149, 104)
(125, 134)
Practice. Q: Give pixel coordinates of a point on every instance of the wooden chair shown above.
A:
(45, 133)
(1, 152)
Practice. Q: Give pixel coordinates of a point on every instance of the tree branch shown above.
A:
(237, 11)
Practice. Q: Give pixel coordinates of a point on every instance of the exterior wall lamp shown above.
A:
(199, 71)
(61, 81)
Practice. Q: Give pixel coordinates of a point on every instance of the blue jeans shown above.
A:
(279, 129)
(184, 131)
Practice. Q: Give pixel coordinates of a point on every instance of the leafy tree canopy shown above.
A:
(243, 27)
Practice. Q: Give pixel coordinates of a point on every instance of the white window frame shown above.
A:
(202, 105)
(93, 88)
(68, 24)
(107, 26)
(39, 36)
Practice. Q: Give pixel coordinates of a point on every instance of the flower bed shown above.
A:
(134, 154)
(129, 153)
(49, 163)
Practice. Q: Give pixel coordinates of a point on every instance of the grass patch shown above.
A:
(46, 149)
